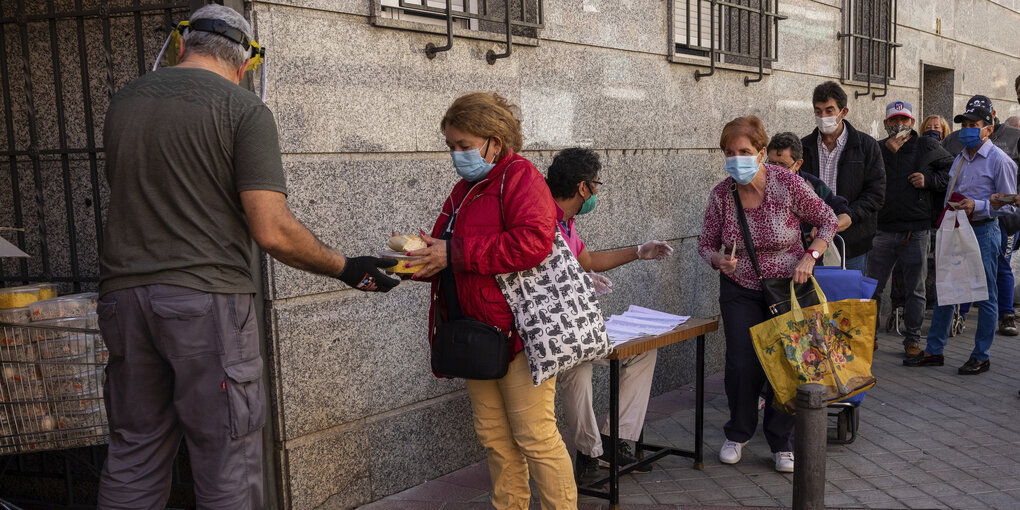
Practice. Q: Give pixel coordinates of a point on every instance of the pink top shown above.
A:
(569, 233)
(774, 225)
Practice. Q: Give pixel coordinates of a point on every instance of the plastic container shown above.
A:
(19, 373)
(89, 321)
(15, 315)
(18, 297)
(70, 345)
(19, 352)
(75, 305)
(67, 366)
(78, 384)
(77, 404)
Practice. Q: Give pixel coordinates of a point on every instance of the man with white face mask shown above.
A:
(850, 163)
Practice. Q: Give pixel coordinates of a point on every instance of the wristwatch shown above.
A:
(815, 254)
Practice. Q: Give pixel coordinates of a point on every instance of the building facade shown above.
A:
(355, 412)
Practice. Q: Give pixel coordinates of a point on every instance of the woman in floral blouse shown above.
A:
(775, 202)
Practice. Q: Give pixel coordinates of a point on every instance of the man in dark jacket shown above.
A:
(915, 167)
(850, 163)
(1006, 138)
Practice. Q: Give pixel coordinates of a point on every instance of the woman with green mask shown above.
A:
(574, 181)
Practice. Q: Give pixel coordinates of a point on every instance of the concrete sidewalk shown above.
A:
(929, 438)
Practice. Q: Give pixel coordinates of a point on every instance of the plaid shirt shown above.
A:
(828, 161)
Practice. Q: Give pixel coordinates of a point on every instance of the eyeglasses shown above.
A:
(780, 164)
(597, 183)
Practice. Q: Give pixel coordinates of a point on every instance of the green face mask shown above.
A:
(588, 205)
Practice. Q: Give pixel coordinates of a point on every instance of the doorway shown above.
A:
(937, 86)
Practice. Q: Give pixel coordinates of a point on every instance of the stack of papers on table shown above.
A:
(638, 321)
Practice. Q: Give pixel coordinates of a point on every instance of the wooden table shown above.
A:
(693, 328)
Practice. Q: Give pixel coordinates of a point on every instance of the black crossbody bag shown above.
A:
(464, 347)
(776, 290)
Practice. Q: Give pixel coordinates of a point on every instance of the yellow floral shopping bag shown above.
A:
(828, 343)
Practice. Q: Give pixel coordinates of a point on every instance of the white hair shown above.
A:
(215, 45)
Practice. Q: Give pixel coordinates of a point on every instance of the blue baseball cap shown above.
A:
(978, 108)
(899, 108)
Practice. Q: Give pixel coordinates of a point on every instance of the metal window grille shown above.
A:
(868, 44)
(735, 32)
(59, 64)
(523, 18)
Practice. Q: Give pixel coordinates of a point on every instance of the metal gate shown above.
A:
(60, 62)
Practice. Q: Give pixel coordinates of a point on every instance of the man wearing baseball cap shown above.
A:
(1007, 138)
(981, 174)
(916, 168)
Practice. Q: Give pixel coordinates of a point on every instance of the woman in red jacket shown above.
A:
(505, 222)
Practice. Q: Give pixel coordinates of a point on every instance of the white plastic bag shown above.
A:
(959, 271)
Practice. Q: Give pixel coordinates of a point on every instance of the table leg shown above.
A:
(614, 433)
(699, 413)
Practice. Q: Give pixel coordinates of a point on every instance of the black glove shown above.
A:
(362, 272)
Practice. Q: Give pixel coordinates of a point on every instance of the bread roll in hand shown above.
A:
(406, 243)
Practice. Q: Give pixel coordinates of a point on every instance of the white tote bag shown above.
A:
(556, 313)
(959, 271)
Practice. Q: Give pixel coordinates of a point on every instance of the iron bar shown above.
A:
(761, 45)
(698, 75)
(65, 166)
(431, 49)
(33, 144)
(104, 15)
(871, 45)
(139, 40)
(424, 8)
(5, 82)
(80, 12)
(491, 56)
(90, 129)
(888, 57)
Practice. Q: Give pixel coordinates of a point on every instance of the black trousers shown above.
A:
(741, 309)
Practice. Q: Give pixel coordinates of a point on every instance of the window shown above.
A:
(481, 19)
(869, 44)
(735, 34)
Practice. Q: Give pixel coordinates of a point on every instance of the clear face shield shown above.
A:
(219, 27)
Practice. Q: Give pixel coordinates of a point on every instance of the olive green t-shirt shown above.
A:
(181, 145)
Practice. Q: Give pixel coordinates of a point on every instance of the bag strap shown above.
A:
(959, 170)
(745, 232)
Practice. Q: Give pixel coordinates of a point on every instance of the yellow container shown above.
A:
(18, 297)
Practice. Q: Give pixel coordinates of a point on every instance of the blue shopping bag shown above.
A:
(839, 284)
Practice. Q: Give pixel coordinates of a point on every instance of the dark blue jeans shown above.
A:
(988, 240)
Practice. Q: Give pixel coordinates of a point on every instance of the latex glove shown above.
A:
(602, 284)
(365, 273)
(657, 250)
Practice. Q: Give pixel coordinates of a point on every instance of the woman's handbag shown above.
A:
(777, 290)
(556, 313)
(830, 343)
(464, 347)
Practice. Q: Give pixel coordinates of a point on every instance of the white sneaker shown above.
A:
(730, 452)
(784, 461)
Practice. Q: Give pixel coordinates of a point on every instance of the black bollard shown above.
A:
(809, 448)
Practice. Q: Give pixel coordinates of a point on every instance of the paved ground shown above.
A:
(929, 438)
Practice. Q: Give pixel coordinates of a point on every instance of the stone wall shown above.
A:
(358, 414)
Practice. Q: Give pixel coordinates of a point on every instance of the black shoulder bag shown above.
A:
(776, 290)
(464, 347)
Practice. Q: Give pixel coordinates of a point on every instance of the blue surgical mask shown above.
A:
(970, 137)
(470, 165)
(742, 168)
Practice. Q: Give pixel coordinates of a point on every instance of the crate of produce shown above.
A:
(51, 386)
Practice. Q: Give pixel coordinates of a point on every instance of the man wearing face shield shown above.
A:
(195, 174)
(916, 169)
(850, 163)
(980, 177)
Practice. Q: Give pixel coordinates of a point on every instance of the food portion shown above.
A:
(405, 243)
(18, 297)
(75, 305)
(399, 247)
